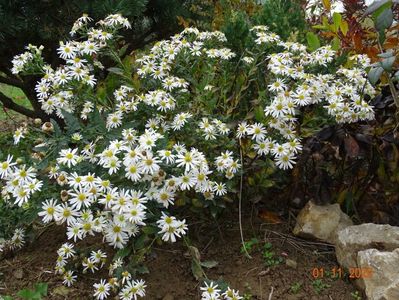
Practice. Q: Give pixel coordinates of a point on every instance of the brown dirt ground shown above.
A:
(170, 266)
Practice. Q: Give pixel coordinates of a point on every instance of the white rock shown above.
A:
(321, 222)
(383, 282)
(355, 238)
(392, 292)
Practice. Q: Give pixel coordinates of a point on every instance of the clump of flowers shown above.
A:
(211, 291)
(123, 182)
(294, 84)
(16, 241)
(126, 156)
(28, 61)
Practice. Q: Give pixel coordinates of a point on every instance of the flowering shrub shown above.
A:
(126, 150)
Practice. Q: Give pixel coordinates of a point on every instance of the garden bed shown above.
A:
(170, 274)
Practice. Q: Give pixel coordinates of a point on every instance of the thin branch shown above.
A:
(8, 103)
(11, 81)
(271, 294)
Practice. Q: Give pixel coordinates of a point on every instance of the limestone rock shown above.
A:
(392, 292)
(321, 222)
(383, 282)
(355, 238)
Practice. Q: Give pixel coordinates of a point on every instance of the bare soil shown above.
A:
(169, 265)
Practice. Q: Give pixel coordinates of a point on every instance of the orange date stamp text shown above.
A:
(338, 272)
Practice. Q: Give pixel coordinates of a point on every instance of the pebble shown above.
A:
(18, 274)
(291, 263)
(168, 297)
(238, 262)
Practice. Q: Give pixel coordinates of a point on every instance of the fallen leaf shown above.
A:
(61, 291)
(351, 146)
(270, 217)
(209, 264)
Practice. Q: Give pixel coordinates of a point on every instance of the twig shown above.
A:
(239, 204)
(249, 271)
(208, 244)
(271, 294)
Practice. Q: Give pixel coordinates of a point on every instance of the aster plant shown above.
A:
(162, 130)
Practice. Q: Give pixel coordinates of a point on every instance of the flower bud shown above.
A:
(36, 155)
(64, 195)
(37, 121)
(48, 127)
(61, 180)
(39, 142)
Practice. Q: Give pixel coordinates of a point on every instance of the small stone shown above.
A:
(321, 222)
(19, 274)
(291, 263)
(168, 297)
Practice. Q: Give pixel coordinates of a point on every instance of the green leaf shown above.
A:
(259, 114)
(57, 129)
(322, 27)
(142, 270)
(337, 18)
(40, 149)
(116, 70)
(325, 21)
(123, 252)
(336, 43)
(97, 121)
(41, 288)
(43, 164)
(313, 41)
(384, 20)
(387, 54)
(71, 121)
(344, 27)
(28, 294)
(378, 7)
(197, 203)
(122, 50)
(209, 264)
(194, 252)
(196, 269)
(387, 63)
(381, 37)
(149, 229)
(327, 4)
(7, 298)
(140, 242)
(375, 74)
